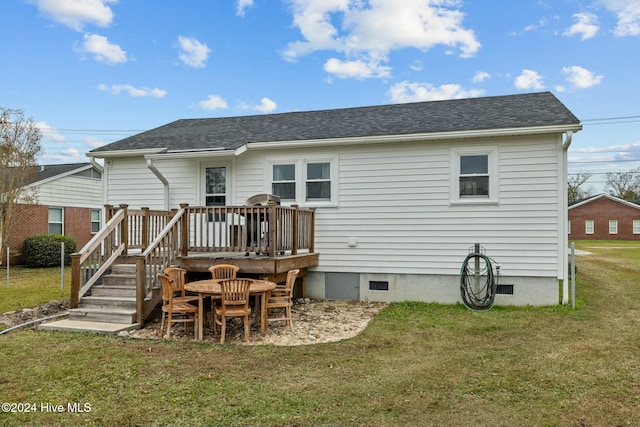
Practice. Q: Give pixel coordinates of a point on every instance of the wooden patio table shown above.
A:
(211, 287)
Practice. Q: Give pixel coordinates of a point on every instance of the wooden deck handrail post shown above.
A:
(124, 228)
(294, 248)
(273, 228)
(108, 241)
(141, 279)
(108, 213)
(312, 232)
(75, 280)
(145, 228)
(184, 229)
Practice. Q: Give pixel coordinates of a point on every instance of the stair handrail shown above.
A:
(102, 251)
(156, 258)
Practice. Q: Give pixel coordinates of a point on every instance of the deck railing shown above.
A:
(154, 239)
(268, 230)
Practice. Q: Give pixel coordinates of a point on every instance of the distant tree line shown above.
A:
(623, 185)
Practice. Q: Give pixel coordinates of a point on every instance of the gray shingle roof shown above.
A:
(496, 112)
(48, 171)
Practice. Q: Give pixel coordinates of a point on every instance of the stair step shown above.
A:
(108, 302)
(118, 280)
(103, 315)
(113, 291)
(125, 269)
(70, 325)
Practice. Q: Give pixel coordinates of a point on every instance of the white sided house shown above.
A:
(401, 192)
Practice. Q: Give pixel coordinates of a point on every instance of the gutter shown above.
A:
(567, 142)
(162, 179)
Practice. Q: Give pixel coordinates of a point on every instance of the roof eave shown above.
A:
(429, 136)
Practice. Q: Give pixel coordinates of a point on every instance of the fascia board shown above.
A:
(125, 153)
(433, 136)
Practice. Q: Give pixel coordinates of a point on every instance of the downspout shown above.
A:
(565, 235)
(162, 179)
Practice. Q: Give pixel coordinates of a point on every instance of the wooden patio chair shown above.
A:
(179, 279)
(282, 298)
(222, 271)
(234, 303)
(185, 313)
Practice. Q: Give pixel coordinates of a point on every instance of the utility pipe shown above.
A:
(162, 179)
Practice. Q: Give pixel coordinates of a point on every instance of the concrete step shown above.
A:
(108, 302)
(71, 325)
(123, 316)
(119, 280)
(113, 291)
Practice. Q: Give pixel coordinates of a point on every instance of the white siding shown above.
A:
(394, 200)
(72, 191)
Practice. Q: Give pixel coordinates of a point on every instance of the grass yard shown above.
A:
(415, 364)
(29, 287)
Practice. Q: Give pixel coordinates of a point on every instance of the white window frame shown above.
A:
(49, 222)
(494, 181)
(569, 227)
(613, 226)
(202, 196)
(99, 221)
(588, 226)
(636, 226)
(301, 178)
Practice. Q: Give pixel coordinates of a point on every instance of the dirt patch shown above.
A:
(314, 321)
(24, 315)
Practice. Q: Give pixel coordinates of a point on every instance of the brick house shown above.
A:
(604, 217)
(69, 202)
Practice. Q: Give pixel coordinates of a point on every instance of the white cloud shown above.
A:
(194, 53)
(414, 92)
(266, 106)
(102, 50)
(133, 91)
(369, 30)
(481, 76)
(242, 5)
(68, 155)
(94, 142)
(213, 102)
(357, 69)
(49, 133)
(586, 27)
(628, 13)
(581, 77)
(529, 80)
(76, 14)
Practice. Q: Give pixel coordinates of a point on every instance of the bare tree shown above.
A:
(575, 190)
(624, 185)
(19, 151)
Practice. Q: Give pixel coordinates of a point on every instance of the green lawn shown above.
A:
(29, 287)
(415, 364)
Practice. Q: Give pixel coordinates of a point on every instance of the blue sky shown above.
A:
(91, 72)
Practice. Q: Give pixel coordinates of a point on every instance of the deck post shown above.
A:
(124, 228)
(140, 287)
(75, 280)
(294, 247)
(273, 228)
(184, 228)
(313, 230)
(145, 228)
(108, 241)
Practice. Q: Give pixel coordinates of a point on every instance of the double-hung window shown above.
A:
(588, 226)
(307, 182)
(613, 226)
(56, 221)
(474, 175)
(95, 220)
(636, 226)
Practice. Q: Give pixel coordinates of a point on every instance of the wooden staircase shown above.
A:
(110, 308)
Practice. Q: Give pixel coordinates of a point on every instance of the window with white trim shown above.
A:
(307, 182)
(474, 175)
(613, 226)
(95, 220)
(56, 221)
(588, 226)
(636, 226)
(569, 227)
(283, 184)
